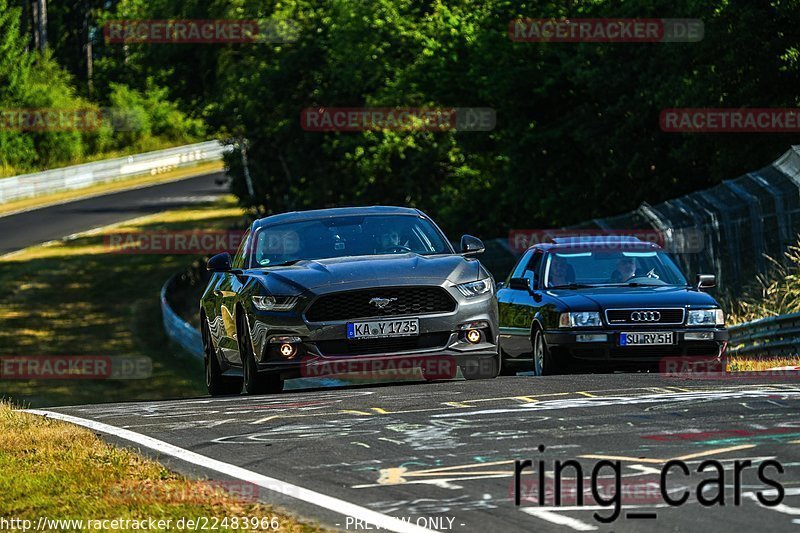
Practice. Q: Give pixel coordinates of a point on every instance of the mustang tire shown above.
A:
(217, 384)
(255, 382)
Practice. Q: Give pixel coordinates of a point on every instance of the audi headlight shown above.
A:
(274, 303)
(475, 288)
(705, 317)
(583, 319)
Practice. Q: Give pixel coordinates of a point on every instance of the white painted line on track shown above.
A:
(287, 489)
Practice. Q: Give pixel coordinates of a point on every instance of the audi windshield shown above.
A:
(610, 268)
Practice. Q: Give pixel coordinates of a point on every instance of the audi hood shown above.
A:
(601, 298)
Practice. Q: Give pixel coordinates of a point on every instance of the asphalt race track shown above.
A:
(442, 454)
(32, 227)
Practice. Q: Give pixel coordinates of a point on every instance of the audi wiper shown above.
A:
(573, 286)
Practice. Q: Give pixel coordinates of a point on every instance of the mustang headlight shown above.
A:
(583, 319)
(274, 303)
(705, 317)
(475, 288)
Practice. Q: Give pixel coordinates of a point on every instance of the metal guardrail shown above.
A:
(776, 335)
(178, 329)
(80, 176)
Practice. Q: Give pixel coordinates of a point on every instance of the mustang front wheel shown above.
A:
(254, 381)
(217, 384)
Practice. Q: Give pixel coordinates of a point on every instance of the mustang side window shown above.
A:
(241, 253)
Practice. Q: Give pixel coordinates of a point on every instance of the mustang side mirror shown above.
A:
(520, 284)
(471, 245)
(706, 281)
(220, 262)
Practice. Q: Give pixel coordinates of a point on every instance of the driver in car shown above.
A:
(626, 269)
(561, 272)
(389, 241)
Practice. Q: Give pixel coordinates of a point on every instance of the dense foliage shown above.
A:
(34, 80)
(577, 132)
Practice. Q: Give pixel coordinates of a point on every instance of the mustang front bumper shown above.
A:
(324, 347)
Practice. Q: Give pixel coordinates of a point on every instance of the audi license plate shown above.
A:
(375, 329)
(645, 338)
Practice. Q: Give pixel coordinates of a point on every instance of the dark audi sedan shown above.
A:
(359, 284)
(588, 302)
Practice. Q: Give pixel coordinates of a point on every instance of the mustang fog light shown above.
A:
(699, 336)
(599, 337)
(474, 336)
(288, 347)
(287, 350)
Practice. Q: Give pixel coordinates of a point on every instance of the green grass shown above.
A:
(60, 471)
(775, 293)
(74, 298)
(740, 363)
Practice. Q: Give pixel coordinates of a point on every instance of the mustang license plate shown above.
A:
(375, 329)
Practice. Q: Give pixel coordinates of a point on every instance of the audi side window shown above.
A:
(533, 266)
(519, 268)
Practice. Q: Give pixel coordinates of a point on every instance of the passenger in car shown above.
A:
(626, 269)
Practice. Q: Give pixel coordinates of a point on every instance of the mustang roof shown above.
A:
(313, 214)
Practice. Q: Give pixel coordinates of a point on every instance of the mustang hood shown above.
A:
(633, 297)
(395, 269)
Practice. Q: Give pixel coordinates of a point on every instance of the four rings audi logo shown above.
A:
(645, 316)
(380, 303)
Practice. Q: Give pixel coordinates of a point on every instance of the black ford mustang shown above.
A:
(602, 302)
(348, 284)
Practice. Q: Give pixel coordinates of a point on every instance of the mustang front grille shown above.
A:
(383, 302)
(379, 346)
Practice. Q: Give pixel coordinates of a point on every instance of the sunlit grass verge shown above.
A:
(112, 186)
(775, 293)
(73, 297)
(739, 363)
(61, 471)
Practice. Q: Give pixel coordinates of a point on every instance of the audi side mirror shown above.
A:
(220, 263)
(706, 281)
(471, 245)
(519, 284)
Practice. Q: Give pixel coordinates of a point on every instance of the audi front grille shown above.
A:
(645, 317)
(402, 301)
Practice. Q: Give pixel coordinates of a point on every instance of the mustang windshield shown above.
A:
(345, 236)
(609, 268)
